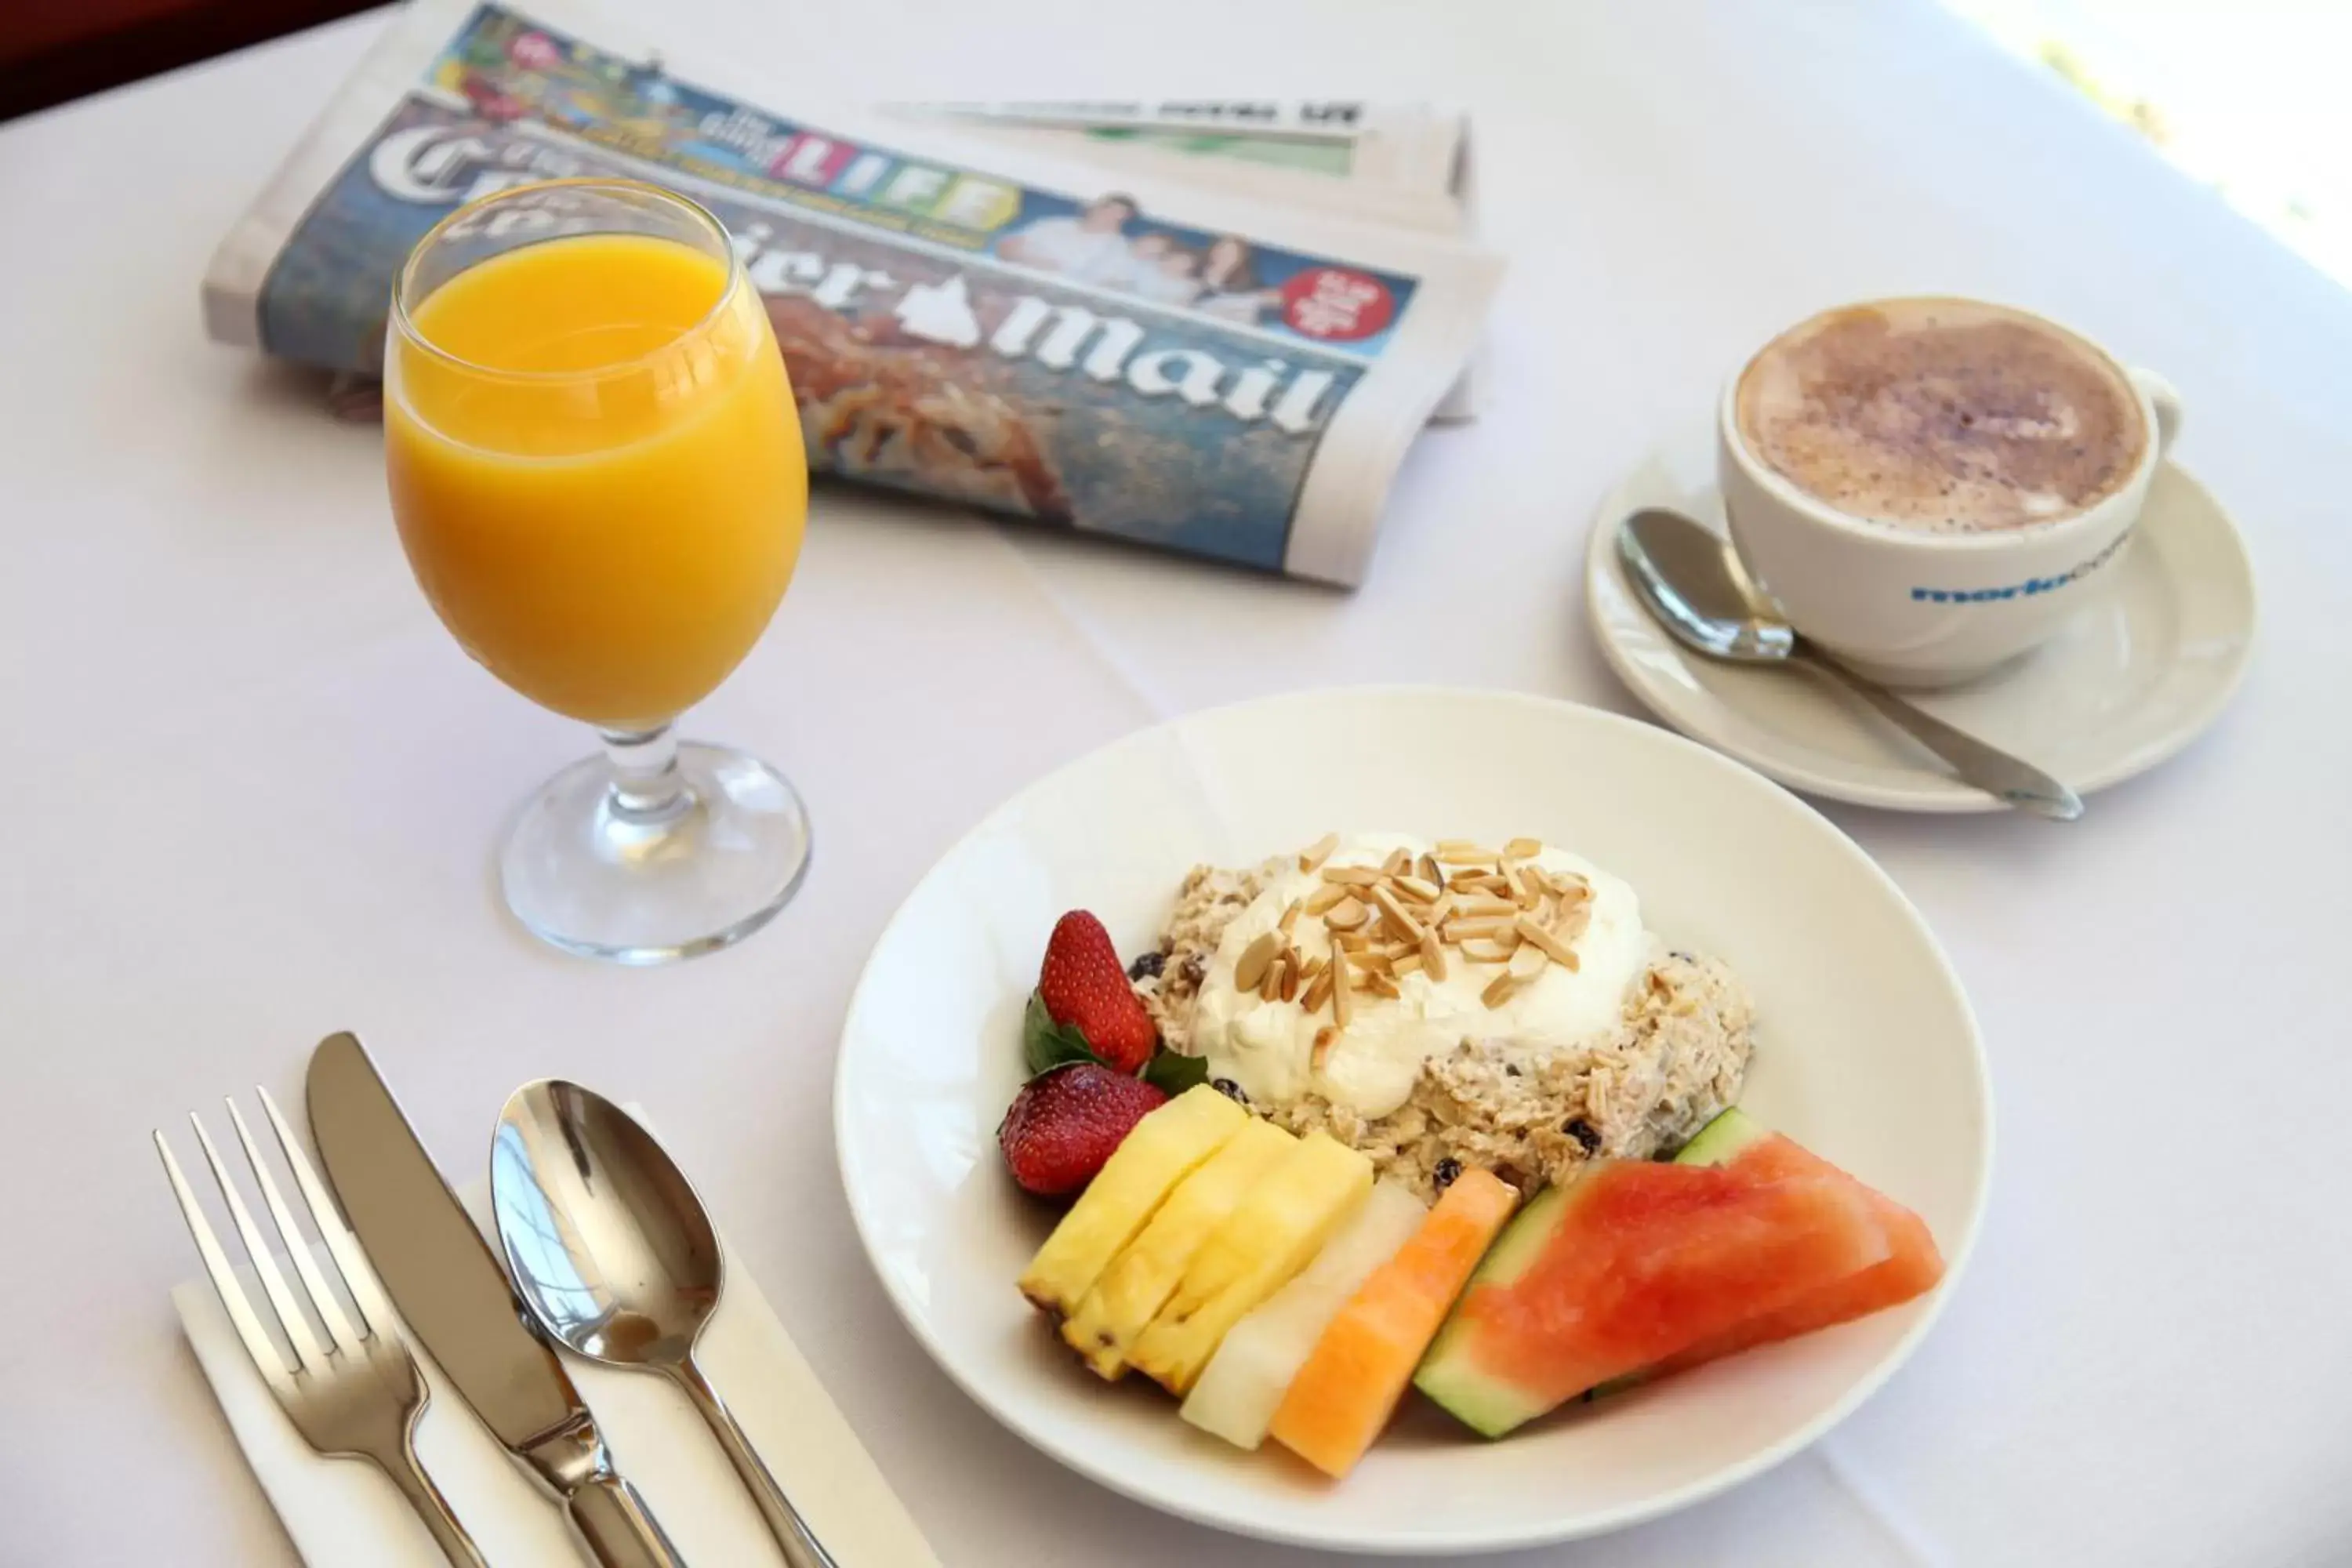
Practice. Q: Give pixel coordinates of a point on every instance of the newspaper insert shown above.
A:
(1231, 367)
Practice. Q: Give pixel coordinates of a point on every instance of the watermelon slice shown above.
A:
(1634, 1264)
(1913, 1267)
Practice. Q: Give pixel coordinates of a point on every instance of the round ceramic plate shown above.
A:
(1867, 1054)
(2138, 675)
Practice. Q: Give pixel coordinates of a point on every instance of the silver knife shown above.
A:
(454, 1299)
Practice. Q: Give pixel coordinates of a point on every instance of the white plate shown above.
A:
(2132, 679)
(1868, 1055)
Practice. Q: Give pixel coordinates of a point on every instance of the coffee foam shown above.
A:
(1942, 416)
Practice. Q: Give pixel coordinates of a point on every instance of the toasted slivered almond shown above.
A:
(1398, 860)
(1572, 921)
(1528, 962)
(1289, 919)
(1524, 848)
(1462, 852)
(1379, 984)
(1315, 854)
(1371, 961)
(1574, 891)
(1352, 941)
(1489, 926)
(1398, 916)
(1343, 996)
(1313, 967)
(1348, 914)
(1499, 989)
(1481, 882)
(1440, 912)
(1418, 890)
(1250, 968)
(1270, 987)
(1323, 1038)
(1354, 876)
(1537, 878)
(1560, 952)
(1486, 950)
(1407, 965)
(1291, 978)
(1324, 897)
(1318, 990)
(1428, 870)
(1433, 956)
(1480, 905)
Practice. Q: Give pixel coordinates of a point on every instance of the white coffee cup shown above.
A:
(1916, 608)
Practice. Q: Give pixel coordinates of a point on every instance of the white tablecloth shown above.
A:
(251, 787)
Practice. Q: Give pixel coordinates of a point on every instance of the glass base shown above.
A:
(658, 850)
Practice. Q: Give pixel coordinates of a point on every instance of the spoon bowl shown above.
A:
(614, 1255)
(1684, 576)
(1687, 577)
(609, 1245)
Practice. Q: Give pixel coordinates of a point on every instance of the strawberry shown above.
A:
(1063, 1126)
(1084, 985)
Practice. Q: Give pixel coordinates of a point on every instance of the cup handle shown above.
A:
(2166, 403)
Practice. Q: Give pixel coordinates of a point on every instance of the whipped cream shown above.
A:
(1268, 1047)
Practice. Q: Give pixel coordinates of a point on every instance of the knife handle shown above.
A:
(619, 1529)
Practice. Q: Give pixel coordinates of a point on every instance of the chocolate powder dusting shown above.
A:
(1942, 415)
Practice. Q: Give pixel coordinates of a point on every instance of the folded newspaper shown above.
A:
(1210, 327)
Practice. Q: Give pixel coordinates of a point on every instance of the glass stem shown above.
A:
(646, 790)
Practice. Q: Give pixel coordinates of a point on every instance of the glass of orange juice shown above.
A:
(597, 470)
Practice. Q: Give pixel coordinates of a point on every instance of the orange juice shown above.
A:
(599, 478)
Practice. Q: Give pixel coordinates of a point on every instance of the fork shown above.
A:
(355, 1395)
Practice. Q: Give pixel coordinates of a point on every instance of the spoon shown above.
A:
(614, 1255)
(1684, 574)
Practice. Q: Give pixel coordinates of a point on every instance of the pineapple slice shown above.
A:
(1161, 1151)
(1282, 1223)
(1144, 1275)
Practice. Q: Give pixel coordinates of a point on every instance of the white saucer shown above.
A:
(2138, 675)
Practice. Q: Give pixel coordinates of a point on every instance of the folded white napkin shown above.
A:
(343, 1513)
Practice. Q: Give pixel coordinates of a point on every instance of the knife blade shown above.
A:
(454, 1299)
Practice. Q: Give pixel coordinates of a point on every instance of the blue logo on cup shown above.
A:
(2026, 590)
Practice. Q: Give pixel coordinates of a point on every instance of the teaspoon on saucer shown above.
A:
(1682, 575)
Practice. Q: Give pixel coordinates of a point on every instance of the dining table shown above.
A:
(253, 788)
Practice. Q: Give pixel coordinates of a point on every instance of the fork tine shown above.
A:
(307, 1352)
(339, 1332)
(359, 1279)
(267, 1356)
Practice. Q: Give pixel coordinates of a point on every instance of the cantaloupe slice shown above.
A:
(1349, 1388)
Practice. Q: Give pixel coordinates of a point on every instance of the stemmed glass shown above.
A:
(597, 470)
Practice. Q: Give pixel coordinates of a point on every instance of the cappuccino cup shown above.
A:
(1931, 487)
